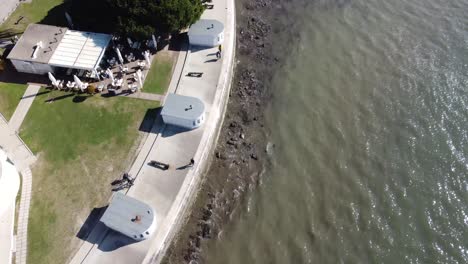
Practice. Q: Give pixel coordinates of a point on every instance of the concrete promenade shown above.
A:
(170, 192)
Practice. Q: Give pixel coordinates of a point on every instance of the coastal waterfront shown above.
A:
(368, 144)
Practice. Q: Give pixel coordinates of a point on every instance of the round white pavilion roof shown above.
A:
(9, 182)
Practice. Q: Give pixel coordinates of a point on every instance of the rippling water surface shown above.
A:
(369, 125)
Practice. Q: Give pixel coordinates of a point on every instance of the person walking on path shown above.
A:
(218, 54)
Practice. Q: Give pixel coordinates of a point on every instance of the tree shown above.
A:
(136, 18)
(93, 15)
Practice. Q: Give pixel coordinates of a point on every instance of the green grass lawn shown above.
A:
(81, 148)
(32, 12)
(159, 74)
(10, 95)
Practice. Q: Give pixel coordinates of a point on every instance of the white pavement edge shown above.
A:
(23, 217)
(179, 211)
(23, 106)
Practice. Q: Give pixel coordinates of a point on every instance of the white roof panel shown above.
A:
(80, 50)
(205, 27)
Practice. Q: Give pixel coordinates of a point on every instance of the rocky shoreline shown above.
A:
(239, 157)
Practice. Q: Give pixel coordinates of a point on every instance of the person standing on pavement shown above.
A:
(218, 54)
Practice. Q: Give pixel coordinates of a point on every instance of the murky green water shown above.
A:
(369, 122)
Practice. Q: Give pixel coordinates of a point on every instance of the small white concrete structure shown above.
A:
(130, 217)
(183, 111)
(9, 186)
(207, 33)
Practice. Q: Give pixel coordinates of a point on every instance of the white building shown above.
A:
(183, 111)
(207, 33)
(130, 217)
(9, 186)
(42, 49)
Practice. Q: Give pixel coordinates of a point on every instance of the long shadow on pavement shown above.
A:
(176, 43)
(170, 131)
(115, 240)
(148, 120)
(89, 224)
(105, 238)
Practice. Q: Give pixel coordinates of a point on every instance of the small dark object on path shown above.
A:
(192, 162)
(19, 20)
(122, 186)
(159, 165)
(128, 178)
(125, 182)
(116, 182)
(195, 74)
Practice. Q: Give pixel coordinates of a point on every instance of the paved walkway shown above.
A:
(22, 157)
(23, 106)
(169, 192)
(8, 6)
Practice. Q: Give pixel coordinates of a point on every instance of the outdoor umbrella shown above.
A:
(140, 79)
(155, 44)
(77, 81)
(147, 58)
(119, 55)
(52, 79)
(111, 76)
(96, 74)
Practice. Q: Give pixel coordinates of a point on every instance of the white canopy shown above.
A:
(52, 79)
(155, 43)
(80, 50)
(109, 72)
(78, 82)
(140, 78)
(147, 58)
(119, 55)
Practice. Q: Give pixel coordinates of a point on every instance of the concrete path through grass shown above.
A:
(23, 107)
